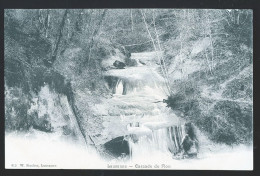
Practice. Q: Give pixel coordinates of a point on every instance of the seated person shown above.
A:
(189, 145)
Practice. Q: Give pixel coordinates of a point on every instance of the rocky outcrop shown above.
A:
(119, 64)
(117, 146)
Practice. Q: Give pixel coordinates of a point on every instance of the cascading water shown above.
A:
(119, 87)
(166, 140)
(150, 126)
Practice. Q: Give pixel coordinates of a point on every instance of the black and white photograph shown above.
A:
(128, 89)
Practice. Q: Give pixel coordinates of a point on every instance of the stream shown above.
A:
(136, 124)
(150, 128)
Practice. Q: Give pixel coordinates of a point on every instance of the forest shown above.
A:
(58, 66)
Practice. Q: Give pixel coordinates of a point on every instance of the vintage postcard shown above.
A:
(154, 89)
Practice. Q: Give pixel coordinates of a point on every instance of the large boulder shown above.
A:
(131, 62)
(117, 146)
(119, 64)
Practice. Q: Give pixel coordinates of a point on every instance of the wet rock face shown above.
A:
(43, 123)
(112, 82)
(119, 65)
(131, 62)
(117, 146)
(189, 130)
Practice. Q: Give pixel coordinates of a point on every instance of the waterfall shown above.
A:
(166, 140)
(148, 125)
(119, 87)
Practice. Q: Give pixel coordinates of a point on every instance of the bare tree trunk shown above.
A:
(47, 23)
(43, 22)
(163, 71)
(132, 20)
(181, 45)
(208, 62)
(62, 24)
(160, 48)
(143, 15)
(71, 100)
(96, 32)
(211, 42)
(157, 36)
(188, 15)
(238, 17)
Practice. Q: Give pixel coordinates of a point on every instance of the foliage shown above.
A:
(224, 70)
(211, 50)
(239, 88)
(35, 43)
(16, 106)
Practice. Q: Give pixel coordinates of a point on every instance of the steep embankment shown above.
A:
(214, 94)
